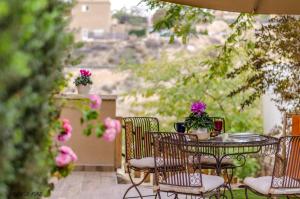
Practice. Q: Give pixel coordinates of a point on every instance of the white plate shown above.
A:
(243, 135)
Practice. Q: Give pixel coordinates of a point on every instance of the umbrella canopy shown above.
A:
(291, 7)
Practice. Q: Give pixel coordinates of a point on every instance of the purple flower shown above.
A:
(198, 107)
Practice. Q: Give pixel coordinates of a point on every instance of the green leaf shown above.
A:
(88, 130)
(99, 130)
(92, 115)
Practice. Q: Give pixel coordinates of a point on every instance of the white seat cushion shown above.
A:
(148, 162)
(209, 183)
(209, 160)
(142, 163)
(263, 185)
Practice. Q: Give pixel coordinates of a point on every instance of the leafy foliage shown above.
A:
(195, 121)
(82, 80)
(138, 33)
(249, 169)
(33, 49)
(131, 17)
(170, 85)
(266, 57)
(90, 117)
(181, 21)
(273, 64)
(236, 48)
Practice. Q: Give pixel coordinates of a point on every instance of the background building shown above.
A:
(90, 18)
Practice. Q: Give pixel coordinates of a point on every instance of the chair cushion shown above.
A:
(263, 185)
(142, 163)
(148, 162)
(209, 183)
(210, 160)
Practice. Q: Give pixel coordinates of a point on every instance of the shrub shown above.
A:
(138, 33)
(32, 51)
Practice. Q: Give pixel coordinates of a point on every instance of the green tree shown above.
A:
(132, 17)
(179, 20)
(273, 63)
(33, 49)
(171, 85)
(268, 60)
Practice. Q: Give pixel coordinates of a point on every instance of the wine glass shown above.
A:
(218, 125)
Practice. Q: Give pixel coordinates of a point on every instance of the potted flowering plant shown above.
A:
(199, 121)
(83, 82)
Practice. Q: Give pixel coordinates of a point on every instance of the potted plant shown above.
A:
(198, 121)
(83, 82)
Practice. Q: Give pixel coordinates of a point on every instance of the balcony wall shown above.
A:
(93, 153)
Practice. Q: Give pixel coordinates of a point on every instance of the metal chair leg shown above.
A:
(218, 194)
(227, 186)
(246, 193)
(134, 185)
(158, 193)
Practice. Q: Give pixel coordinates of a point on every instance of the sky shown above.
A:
(118, 4)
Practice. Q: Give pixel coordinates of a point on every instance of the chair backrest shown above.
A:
(137, 143)
(174, 155)
(291, 124)
(219, 119)
(286, 173)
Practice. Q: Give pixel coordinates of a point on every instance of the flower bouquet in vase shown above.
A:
(199, 122)
(83, 82)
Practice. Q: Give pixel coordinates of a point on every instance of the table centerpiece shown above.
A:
(199, 122)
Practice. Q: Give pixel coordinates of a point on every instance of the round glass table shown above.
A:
(236, 146)
(231, 150)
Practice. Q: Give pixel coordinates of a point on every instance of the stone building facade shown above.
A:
(90, 18)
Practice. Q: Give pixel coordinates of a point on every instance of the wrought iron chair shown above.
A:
(209, 162)
(285, 180)
(174, 170)
(139, 148)
(291, 124)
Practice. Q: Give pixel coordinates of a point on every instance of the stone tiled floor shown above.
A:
(95, 185)
(92, 185)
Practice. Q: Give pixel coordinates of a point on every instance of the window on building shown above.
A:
(84, 8)
(85, 34)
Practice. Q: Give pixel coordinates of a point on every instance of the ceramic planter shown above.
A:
(202, 133)
(84, 90)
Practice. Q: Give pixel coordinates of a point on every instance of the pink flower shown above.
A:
(109, 135)
(65, 156)
(86, 73)
(66, 121)
(63, 137)
(112, 124)
(66, 132)
(95, 101)
(67, 128)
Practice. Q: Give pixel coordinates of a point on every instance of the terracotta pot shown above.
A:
(84, 90)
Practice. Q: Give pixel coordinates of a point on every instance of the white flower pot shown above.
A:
(84, 90)
(202, 133)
